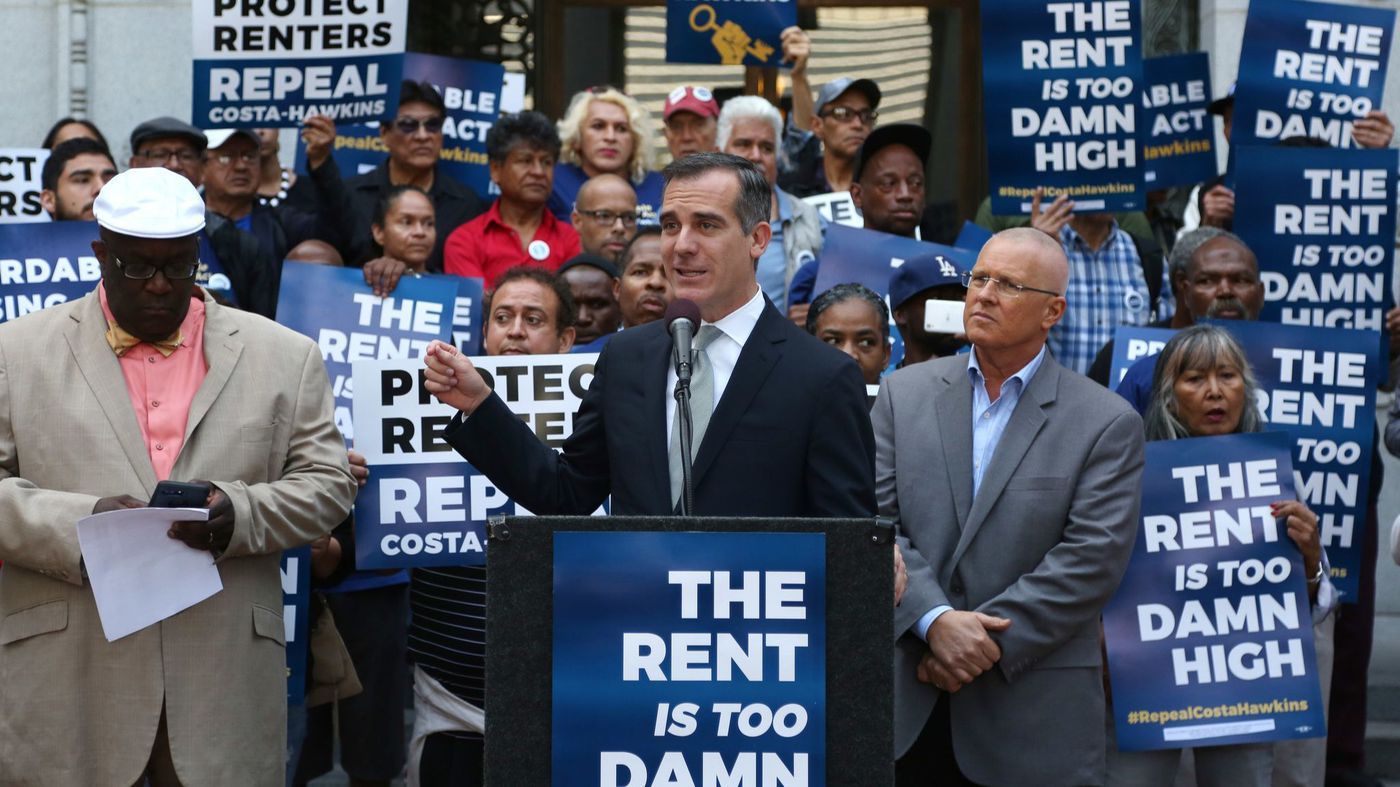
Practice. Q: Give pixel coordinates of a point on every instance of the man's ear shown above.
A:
(566, 339)
(855, 196)
(48, 200)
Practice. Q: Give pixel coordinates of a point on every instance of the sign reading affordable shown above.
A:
(424, 505)
(45, 264)
(1322, 224)
(689, 658)
(1309, 70)
(273, 63)
(1210, 633)
(1319, 386)
(1062, 85)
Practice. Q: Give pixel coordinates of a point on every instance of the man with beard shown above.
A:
(1215, 276)
(73, 174)
(915, 283)
(531, 312)
(605, 215)
(643, 290)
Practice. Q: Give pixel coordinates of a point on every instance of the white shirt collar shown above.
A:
(739, 323)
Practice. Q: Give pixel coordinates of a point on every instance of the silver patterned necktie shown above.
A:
(702, 394)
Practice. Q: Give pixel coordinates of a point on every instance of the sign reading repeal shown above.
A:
(1062, 84)
(1210, 633)
(689, 659)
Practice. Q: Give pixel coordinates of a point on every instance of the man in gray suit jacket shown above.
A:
(1015, 484)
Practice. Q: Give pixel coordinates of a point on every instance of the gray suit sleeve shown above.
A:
(1074, 580)
(923, 592)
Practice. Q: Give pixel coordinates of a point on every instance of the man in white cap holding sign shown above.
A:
(147, 379)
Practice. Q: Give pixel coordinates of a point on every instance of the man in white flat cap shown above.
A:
(147, 379)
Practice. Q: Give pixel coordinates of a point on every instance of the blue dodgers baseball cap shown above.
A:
(921, 273)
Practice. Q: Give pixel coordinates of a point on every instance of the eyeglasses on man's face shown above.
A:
(173, 271)
(606, 218)
(978, 281)
(410, 125)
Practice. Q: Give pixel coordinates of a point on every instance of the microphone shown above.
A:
(682, 321)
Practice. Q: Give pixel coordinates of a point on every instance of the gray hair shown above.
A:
(1190, 243)
(744, 108)
(755, 201)
(1197, 347)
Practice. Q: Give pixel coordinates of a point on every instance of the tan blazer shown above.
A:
(74, 708)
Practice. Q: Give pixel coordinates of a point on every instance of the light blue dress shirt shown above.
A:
(989, 420)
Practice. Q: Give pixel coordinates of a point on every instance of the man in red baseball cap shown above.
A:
(690, 114)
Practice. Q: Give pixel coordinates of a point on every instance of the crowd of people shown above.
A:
(998, 636)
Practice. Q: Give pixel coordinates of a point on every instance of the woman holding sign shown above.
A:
(606, 132)
(404, 231)
(1203, 386)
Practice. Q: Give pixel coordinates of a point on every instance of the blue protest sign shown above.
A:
(731, 34)
(1319, 386)
(275, 66)
(1309, 70)
(1062, 89)
(296, 598)
(45, 264)
(335, 307)
(475, 94)
(972, 237)
(689, 658)
(423, 505)
(1322, 224)
(1178, 147)
(1210, 633)
(467, 316)
(21, 184)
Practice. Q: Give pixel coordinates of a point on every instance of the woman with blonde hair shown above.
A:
(605, 131)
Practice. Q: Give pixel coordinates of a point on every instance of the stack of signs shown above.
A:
(21, 171)
(689, 658)
(45, 264)
(1062, 86)
(296, 596)
(273, 65)
(1179, 144)
(1210, 633)
(1319, 386)
(1309, 70)
(748, 33)
(475, 94)
(423, 505)
(1322, 224)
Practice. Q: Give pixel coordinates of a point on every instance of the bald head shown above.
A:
(605, 215)
(604, 188)
(1049, 269)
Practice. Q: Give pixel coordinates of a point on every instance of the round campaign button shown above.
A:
(1134, 301)
(539, 250)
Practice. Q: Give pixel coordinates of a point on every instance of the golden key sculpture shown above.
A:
(729, 39)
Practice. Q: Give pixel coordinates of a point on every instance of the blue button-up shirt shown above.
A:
(989, 420)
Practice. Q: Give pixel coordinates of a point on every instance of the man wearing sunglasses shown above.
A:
(413, 136)
(148, 379)
(844, 114)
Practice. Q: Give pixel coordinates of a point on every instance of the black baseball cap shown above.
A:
(592, 260)
(916, 138)
(157, 128)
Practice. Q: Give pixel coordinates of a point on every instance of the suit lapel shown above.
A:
(1026, 422)
(954, 423)
(656, 363)
(756, 360)
(221, 351)
(102, 372)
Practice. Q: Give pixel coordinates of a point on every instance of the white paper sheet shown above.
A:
(140, 575)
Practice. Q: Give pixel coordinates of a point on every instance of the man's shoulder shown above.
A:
(258, 333)
(1087, 399)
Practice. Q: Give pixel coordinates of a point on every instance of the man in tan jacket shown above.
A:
(143, 380)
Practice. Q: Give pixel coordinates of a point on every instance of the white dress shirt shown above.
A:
(734, 328)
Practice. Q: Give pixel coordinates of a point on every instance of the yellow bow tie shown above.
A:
(120, 341)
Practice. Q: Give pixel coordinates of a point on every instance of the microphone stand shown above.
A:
(683, 418)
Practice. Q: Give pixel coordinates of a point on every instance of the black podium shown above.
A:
(618, 580)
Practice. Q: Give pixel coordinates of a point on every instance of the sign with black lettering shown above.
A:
(273, 63)
(424, 505)
(837, 207)
(1309, 70)
(1210, 633)
(1062, 88)
(335, 307)
(45, 264)
(1322, 224)
(21, 182)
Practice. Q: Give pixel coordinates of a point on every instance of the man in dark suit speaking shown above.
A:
(781, 424)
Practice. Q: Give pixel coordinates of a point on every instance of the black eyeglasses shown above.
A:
(162, 155)
(1009, 289)
(843, 114)
(407, 125)
(605, 218)
(173, 271)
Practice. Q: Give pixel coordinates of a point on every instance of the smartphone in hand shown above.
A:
(180, 494)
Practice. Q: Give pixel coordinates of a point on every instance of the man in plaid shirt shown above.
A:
(1107, 287)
